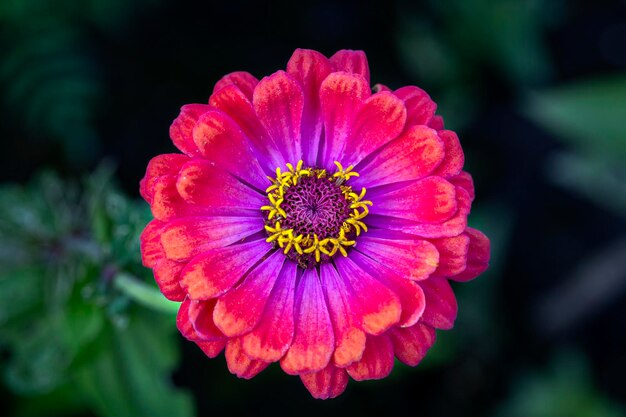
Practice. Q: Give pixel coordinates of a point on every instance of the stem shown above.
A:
(144, 294)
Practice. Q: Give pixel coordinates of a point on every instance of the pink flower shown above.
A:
(311, 222)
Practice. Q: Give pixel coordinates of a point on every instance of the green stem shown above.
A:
(144, 294)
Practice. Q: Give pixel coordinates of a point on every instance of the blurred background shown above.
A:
(535, 89)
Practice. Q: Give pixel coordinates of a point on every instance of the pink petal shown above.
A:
(185, 238)
(241, 79)
(430, 200)
(441, 307)
(377, 360)
(167, 277)
(345, 317)
(380, 87)
(452, 255)
(330, 382)
(464, 179)
(420, 108)
(436, 122)
(379, 120)
(216, 271)
(150, 240)
(201, 318)
(310, 68)
(184, 324)
(454, 159)
(212, 349)
(220, 140)
(313, 341)
(272, 337)
(234, 103)
(478, 255)
(161, 165)
(341, 96)
(414, 259)
(201, 182)
(182, 127)
(409, 293)
(379, 306)
(239, 363)
(353, 62)
(239, 310)
(278, 102)
(411, 344)
(412, 156)
(167, 203)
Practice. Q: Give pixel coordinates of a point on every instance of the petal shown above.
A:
(185, 238)
(167, 203)
(341, 96)
(216, 271)
(378, 121)
(411, 344)
(201, 318)
(212, 349)
(412, 156)
(310, 68)
(272, 337)
(239, 363)
(464, 180)
(234, 103)
(182, 128)
(420, 108)
(313, 341)
(377, 360)
(478, 255)
(409, 293)
(380, 87)
(161, 165)
(241, 79)
(380, 307)
(167, 277)
(452, 255)
(436, 122)
(184, 324)
(441, 306)
(201, 182)
(344, 315)
(150, 242)
(239, 310)
(431, 200)
(454, 159)
(221, 141)
(330, 382)
(278, 101)
(353, 62)
(414, 259)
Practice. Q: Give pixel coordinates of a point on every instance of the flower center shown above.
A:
(314, 214)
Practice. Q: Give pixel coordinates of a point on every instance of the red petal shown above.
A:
(436, 122)
(278, 102)
(182, 127)
(167, 277)
(167, 203)
(341, 96)
(239, 363)
(464, 180)
(313, 341)
(184, 324)
(431, 200)
(412, 156)
(354, 62)
(441, 307)
(151, 249)
(241, 79)
(212, 349)
(420, 108)
(454, 159)
(377, 360)
(161, 165)
(185, 238)
(310, 68)
(452, 255)
(220, 140)
(239, 310)
(379, 306)
(345, 317)
(478, 255)
(201, 182)
(272, 337)
(201, 318)
(413, 259)
(378, 121)
(411, 344)
(330, 382)
(216, 271)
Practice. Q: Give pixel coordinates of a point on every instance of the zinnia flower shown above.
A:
(311, 222)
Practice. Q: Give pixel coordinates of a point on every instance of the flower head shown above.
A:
(311, 222)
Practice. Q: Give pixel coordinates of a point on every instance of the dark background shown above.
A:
(536, 91)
